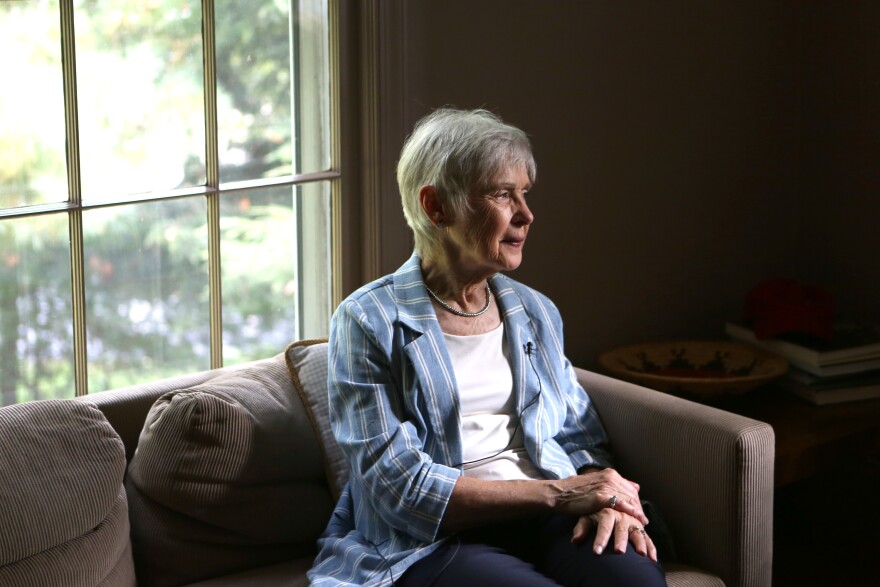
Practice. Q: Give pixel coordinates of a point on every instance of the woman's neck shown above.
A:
(457, 287)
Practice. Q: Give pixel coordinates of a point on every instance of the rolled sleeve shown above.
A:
(582, 437)
(391, 475)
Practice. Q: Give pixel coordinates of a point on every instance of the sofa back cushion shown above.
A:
(227, 476)
(63, 513)
(307, 361)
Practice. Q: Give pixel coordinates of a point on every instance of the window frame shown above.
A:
(213, 189)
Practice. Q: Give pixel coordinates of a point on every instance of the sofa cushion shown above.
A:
(307, 361)
(64, 517)
(226, 477)
(289, 574)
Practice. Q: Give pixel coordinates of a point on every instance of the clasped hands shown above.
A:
(605, 500)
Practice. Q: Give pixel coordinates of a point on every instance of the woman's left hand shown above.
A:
(622, 527)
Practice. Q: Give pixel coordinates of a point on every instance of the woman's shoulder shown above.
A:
(385, 290)
(400, 292)
(368, 311)
(370, 295)
(529, 297)
(371, 288)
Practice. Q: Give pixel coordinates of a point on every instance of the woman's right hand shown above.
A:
(581, 495)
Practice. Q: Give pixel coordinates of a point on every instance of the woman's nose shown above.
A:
(523, 213)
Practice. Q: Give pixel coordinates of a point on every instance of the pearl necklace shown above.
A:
(460, 312)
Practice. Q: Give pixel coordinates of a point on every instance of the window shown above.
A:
(167, 170)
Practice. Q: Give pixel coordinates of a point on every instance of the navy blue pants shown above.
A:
(534, 553)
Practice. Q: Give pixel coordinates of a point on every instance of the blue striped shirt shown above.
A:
(394, 409)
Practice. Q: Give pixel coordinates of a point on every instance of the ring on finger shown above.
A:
(613, 501)
(638, 529)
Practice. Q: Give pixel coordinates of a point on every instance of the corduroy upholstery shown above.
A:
(63, 514)
(227, 477)
(708, 471)
(126, 408)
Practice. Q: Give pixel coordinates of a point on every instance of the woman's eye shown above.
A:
(502, 195)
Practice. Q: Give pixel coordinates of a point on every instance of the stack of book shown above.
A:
(846, 368)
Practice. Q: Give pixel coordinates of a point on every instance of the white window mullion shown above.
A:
(296, 159)
(335, 257)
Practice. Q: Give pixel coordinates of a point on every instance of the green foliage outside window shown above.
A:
(145, 264)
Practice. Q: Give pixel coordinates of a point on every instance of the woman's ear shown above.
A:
(431, 204)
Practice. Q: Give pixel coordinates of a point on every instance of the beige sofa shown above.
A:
(227, 477)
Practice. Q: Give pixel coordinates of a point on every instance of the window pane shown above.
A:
(140, 95)
(272, 88)
(276, 277)
(146, 291)
(253, 88)
(312, 104)
(315, 251)
(32, 155)
(258, 247)
(36, 337)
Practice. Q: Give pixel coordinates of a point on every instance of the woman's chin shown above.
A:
(510, 262)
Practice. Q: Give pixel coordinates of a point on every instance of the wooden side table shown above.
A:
(810, 438)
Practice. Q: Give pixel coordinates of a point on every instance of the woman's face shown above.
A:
(492, 237)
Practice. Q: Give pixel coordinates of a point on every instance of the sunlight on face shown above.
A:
(495, 231)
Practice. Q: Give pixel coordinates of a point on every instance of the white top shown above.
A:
(488, 408)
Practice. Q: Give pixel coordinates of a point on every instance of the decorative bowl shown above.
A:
(698, 370)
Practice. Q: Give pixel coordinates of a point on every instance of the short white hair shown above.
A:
(456, 151)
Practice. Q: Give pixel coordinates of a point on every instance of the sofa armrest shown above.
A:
(709, 472)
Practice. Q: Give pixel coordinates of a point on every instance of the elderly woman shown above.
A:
(475, 456)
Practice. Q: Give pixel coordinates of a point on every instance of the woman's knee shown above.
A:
(610, 569)
(460, 564)
(576, 565)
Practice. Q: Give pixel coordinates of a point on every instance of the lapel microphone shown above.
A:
(528, 348)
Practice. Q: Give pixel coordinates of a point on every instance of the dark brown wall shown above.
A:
(669, 139)
(840, 182)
